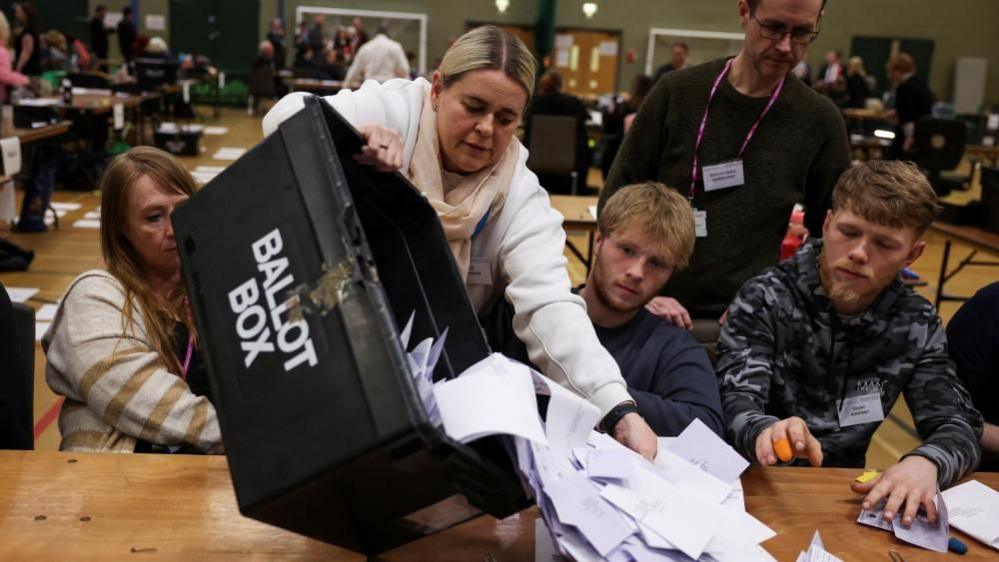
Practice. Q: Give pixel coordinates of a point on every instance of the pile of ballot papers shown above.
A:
(921, 532)
(598, 499)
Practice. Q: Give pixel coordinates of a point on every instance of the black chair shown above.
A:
(552, 147)
(262, 86)
(17, 389)
(938, 147)
(89, 80)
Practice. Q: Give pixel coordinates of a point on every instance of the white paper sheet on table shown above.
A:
(700, 446)
(593, 211)
(216, 130)
(87, 223)
(66, 206)
(20, 294)
(40, 329)
(490, 398)
(817, 552)
(8, 202)
(974, 508)
(92, 215)
(578, 503)
(920, 533)
(46, 313)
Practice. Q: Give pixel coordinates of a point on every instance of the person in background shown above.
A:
(156, 49)
(857, 88)
(27, 48)
(317, 34)
(357, 34)
(80, 57)
(679, 52)
(744, 140)
(973, 343)
(123, 348)
(550, 100)
(830, 72)
(804, 72)
(55, 53)
(333, 66)
(99, 32)
(913, 100)
(614, 122)
(9, 78)
(454, 139)
(380, 59)
(127, 34)
(276, 37)
(816, 350)
(301, 42)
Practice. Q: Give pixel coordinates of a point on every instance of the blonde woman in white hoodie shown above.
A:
(453, 137)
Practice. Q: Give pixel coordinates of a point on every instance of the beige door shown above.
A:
(588, 61)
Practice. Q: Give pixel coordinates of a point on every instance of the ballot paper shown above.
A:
(92, 215)
(87, 223)
(216, 130)
(973, 508)
(228, 153)
(702, 447)
(490, 398)
(8, 202)
(593, 211)
(65, 206)
(578, 503)
(817, 552)
(20, 294)
(920, 533)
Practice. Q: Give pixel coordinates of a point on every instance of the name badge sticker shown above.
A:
(700, 223)
(860, 409)
(723, 175)
(479, 272)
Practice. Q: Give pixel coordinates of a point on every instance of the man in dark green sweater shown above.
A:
(767, 142)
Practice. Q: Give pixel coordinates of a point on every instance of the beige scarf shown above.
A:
(463, 206)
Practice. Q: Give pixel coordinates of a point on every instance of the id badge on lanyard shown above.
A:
(731, 173)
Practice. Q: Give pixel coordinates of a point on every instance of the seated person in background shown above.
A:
(857, 87)
(333, 66)
(973, 341)
(644, 234)
(551, 101)
(816, 350)
(156, 49)
(265, 56)
(123, 348)
(55, 51)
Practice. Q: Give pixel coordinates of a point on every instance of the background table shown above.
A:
(55, 506)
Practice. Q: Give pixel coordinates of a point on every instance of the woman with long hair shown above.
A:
(27, 51)
(8, 77)
(123, 348)
(453, 137)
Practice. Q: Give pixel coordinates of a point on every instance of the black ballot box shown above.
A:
(301, 265)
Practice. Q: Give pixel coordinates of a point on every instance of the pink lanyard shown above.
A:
(694, 172)
(190, 341)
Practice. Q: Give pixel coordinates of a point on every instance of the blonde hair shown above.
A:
(902, 62)
(121, 258)
(4, 30)
(855, 66)
(489, 47)
(891, 193)
(56, 39)
(658, 212)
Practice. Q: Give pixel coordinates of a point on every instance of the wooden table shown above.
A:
(990, 153)
(114, 507)
(318, 87)
(977, 238)
(576, 211)
(29, 136)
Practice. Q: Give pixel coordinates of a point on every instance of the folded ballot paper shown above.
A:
(598, 499)
(817, 552)
(974, 509)
(920, 533)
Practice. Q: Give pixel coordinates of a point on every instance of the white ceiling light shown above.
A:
(589, 8)
(502, 5)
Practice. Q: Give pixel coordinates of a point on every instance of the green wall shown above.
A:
(959, 27)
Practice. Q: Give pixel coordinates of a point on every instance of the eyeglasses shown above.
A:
(776, 32)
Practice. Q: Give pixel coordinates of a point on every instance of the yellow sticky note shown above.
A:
(867, 476)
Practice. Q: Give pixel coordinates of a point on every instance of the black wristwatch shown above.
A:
(609, 422)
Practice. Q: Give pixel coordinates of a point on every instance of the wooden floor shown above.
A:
(62, 254)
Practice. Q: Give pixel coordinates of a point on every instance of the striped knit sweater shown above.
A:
(117, 387)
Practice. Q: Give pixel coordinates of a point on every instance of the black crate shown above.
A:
(340, 450)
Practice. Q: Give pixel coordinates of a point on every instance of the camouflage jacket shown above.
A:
(784, 352)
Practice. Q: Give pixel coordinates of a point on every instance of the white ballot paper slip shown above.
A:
(11, 147)
(494, 396)
(974, 509)
(817, 552)
(920, 533)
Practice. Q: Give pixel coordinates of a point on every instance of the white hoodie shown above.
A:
(522, 247)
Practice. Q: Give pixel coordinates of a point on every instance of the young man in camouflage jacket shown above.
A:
(818, 349)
